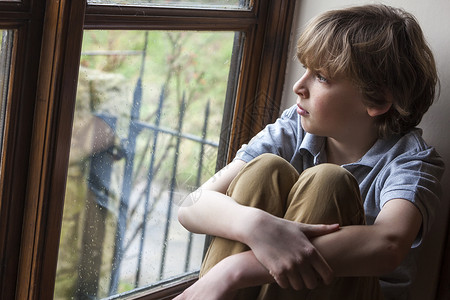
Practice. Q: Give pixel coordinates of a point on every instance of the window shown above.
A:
(146, 130)
(215, 4)
(111, 49)
(7, 42)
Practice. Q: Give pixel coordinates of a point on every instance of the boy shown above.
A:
(347, 154)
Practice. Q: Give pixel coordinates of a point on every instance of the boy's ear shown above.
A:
(382, 109)
(379, 110)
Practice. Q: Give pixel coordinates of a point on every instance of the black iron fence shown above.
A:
(99, 196)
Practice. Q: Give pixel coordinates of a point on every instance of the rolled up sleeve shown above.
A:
(415, 177)
(278, 138)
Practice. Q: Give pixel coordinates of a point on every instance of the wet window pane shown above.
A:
(5, 68)
(216, 4)
(146, 132)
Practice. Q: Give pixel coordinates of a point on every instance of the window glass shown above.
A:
(5, 67)
(216, 4)
(146, 131)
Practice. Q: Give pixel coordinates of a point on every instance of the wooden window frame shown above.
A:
(40, 110)
(41, 107)
(25, 18)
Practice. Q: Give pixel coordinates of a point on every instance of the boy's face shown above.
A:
(331, 108)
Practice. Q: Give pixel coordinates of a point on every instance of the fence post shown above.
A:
(127, 178)
(148, 186)
(198, 180)
(172, 188)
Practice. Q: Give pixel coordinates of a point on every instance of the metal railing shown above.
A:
(99, 182)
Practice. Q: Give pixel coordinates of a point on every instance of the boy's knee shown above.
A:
(327, 194)
(271, 161)
(266, 165)
(331, 174)
(265, 183)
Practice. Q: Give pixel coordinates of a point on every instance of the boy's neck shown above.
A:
(345, 152)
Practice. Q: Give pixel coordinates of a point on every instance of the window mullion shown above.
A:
(262, 78)
(27, 28)
(99, 17)
(54, 108)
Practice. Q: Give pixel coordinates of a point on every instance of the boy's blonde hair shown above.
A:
(383, 51)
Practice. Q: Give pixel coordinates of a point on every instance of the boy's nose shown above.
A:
(300, 88)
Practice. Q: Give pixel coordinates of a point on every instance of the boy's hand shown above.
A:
(217, 284)
(205, 289)
(284, 248)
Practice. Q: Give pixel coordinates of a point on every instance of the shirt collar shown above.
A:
(374, 155)
(379, 150)
(315, 145)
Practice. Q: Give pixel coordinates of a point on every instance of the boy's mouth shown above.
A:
(301, 111)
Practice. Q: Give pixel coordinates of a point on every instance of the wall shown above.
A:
(433, 17)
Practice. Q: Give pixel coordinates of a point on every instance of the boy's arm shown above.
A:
(352, 251)
(282, 246)
(375, 249)
(359, 250)
(227, 277)
(371, 250)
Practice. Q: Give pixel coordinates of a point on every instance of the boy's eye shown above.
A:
(321, 78)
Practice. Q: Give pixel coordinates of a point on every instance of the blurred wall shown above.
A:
(433, 16)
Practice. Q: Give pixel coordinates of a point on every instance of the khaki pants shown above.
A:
(325, 194)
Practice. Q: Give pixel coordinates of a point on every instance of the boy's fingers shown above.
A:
(311, 230)
(309, 277)
(296, 281)
(281, 280)
(323, 270)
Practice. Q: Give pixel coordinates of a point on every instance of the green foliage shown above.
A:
(193, 66)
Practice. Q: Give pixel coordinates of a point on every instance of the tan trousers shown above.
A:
(325, 194)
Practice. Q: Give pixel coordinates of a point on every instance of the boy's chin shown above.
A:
(307, 127)
(312, 130)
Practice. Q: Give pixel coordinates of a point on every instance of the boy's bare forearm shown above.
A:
(351, 251)
(376, 249)
(242, 270)
(356, 251)
(225, 279)
(338, 248)
(209, 210)
(217, 214)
